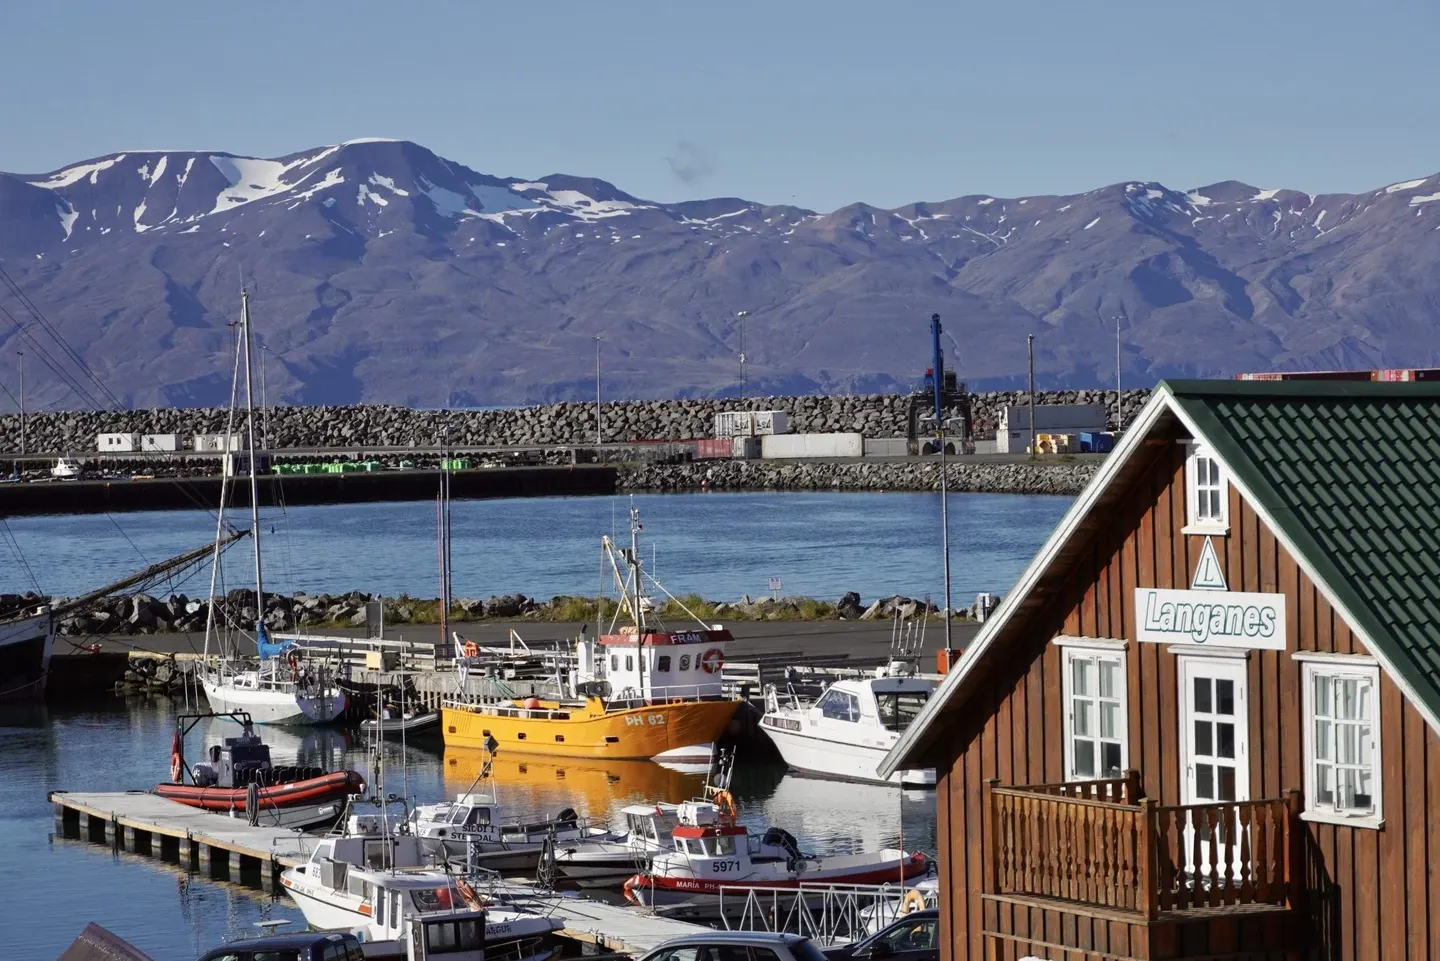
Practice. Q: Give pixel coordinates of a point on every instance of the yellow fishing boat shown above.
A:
(636, 693)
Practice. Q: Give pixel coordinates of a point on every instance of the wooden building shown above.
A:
(1204, 723)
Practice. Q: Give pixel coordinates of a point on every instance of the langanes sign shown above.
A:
(1209, 617)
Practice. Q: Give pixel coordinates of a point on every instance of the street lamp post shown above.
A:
(264, 402)
(599, 424)
(1119, 415)
(22, 402)
(740, 316)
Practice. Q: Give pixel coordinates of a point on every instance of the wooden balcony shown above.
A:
(1094, 869)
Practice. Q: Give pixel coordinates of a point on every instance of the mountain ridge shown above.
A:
(384, 272)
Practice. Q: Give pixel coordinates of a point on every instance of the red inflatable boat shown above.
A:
(237, 776)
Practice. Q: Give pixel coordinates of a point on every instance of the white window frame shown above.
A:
(1194, 523)
(1069, 653)
(1336, 666)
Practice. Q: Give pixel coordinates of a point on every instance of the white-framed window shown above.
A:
(1096, 725)
(1341, 701)
(1207, 497)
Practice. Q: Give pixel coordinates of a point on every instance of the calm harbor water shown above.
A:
(717, 545)
(55, 884)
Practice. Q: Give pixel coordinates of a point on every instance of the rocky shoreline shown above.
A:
(373, 426)
(142, 614)
(1026, 477)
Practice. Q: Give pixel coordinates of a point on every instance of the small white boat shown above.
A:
(849, 729)
(472, 830)
(608, 861)
(714, 856)
(65, 469)
(411, 723)
(375, 882)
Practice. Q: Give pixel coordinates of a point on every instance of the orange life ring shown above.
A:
(177, 768)
(914, 901)
(471, 649)
(713, 660)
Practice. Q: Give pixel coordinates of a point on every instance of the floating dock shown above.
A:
(141, 822)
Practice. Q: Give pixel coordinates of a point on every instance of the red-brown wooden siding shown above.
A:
(1375, 894)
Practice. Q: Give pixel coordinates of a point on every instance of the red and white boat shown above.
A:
(238, 779)
(715, 855)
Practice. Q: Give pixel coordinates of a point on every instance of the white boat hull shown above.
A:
(266, 706)
(843, 761)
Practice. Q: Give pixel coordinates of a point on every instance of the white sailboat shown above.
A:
(269, 693)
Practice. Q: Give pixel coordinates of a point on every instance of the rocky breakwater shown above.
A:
(142, 614)
(1042, 477)
(376, 426)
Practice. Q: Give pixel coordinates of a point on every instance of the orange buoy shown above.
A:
(532, 704)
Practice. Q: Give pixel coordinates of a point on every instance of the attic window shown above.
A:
(1207, 492)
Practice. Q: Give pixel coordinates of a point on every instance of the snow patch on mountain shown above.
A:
(71, 175)
(1407, 185)
(67, 213)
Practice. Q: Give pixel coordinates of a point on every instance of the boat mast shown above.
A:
(224, 491)
(250, 440)
(635, 573)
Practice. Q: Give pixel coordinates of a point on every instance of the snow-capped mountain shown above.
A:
(383, 272)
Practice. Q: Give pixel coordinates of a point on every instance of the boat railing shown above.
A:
(669, 694)
(827, 914)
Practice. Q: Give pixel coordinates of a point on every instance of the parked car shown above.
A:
(913, 937)
(737, 946)
(309, 946)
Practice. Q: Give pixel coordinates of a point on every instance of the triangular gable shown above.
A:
(1328, 580)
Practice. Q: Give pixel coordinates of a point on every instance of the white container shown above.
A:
(117, 443)
(751, 423)
(886, 447)
(1012, 433)
(782, 446)
(217, 442)
(160, 442)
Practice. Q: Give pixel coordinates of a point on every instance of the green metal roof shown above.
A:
(1349, 474)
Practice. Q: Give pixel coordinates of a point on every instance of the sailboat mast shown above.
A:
(250, 440)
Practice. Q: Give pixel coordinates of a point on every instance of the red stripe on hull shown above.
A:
(880, 875)
(315, 790)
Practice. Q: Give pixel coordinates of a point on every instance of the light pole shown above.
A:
(599, 424)
(740, 316)
(1118, 414)
(944, 518)
(264, 403)
(22, 402)
(1030, 344)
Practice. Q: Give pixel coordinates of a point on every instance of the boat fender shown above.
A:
(914, 901)
(713, 660)
(252, 803)
(177, 768)
(567, 815)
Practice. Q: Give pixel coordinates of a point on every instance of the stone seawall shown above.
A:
(371, 426)
(1041, 477)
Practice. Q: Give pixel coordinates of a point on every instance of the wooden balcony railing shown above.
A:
(1098, 843)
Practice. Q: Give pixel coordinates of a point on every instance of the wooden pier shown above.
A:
(141, 822)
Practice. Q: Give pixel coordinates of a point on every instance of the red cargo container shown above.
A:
(713, 448)
(1311, 375)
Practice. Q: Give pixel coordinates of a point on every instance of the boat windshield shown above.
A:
(897, 709)
(431, 900)
(444, 937)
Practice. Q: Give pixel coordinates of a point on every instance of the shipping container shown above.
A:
(1096, 443)
(1417, 373)
(751, 423)
(117, 443)
(745, 448)
(811, 445)
(217, 442)
(1012, 434)
(1310, 375)
(713, 448)
(160, 442)
(886, 447)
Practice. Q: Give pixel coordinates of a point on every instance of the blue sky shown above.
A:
(817, 104)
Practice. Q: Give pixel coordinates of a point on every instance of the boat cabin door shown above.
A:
(447, 938)
(387, 911)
